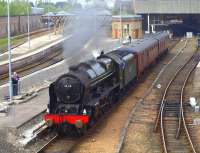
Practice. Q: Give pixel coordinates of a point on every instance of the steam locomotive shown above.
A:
(78, 97)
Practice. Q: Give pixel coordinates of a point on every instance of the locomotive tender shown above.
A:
(78, 97)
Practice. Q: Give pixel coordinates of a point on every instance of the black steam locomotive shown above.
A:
(78, 97)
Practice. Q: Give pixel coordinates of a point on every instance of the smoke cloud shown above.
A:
(88, 29)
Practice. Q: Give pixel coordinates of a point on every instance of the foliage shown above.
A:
(4, 42)
(17, 7)
(3, 8)
(115, 11)
(59, 6)
(48, 7)
(123, 12)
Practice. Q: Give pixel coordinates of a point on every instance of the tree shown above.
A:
(48, 7)
(2, 8)
(31, 4)
(17, 7)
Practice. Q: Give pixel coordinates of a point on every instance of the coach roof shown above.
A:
(159, 35)
(139, 46)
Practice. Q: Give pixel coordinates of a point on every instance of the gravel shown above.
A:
(10, 136)
(5, 145)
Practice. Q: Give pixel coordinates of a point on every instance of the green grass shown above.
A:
(14, 41)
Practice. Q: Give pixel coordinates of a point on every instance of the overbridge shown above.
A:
(58, 21)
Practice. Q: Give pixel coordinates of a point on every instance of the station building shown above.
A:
(123, 26)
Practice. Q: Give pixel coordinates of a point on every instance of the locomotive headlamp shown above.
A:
(79, 124)
(47, 110)
(68, 97)
(84, 112)
(49, 122)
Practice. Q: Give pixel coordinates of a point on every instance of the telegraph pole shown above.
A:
(9, 53)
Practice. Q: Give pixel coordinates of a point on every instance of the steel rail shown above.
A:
(165, 94)
(47, 144)
(182, 110)
(160, 115)
(181, 101)
(161, 112)
(162, 101)
(163, 106)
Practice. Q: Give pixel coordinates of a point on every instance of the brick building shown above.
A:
(127, 25)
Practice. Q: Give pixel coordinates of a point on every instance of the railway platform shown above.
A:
(35, 45)
(20, 114)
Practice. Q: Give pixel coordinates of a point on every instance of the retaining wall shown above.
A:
(32, 57)
(37, 79)
(18, 24)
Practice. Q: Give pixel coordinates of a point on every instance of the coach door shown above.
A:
(136, 34)
(116, 33)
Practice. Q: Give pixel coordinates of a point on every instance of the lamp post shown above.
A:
(121, 28)
(148, 23)
(48, 2)
(9, 54)
(28, 14)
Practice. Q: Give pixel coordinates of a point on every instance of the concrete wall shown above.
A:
(166, 6)
(37, 79)
(18, 24)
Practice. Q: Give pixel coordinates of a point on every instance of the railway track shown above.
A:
(174, 133)
(22, 38)
(59, 144)
(28, 69)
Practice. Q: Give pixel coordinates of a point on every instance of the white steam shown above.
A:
(88, 29)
